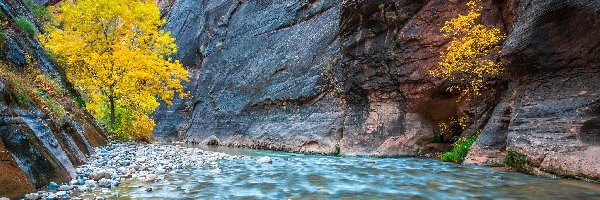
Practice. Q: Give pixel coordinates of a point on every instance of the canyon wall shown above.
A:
(335, 77)
(350, 77)
(344, 77)
(36, 147)
(552, 112)
(266, 87)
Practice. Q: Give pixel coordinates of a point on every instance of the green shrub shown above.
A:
(80, 101)
(54, 109)
(3, 16)
(516, 161)
(460, 150)
(438, 137)
(40, 12)
(2, 39)
(25, 25)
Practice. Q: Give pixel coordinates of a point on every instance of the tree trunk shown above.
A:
(474, 99)
(111, 103)
(476, 117)
(476, 114)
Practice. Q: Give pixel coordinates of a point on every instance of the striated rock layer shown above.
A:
(350, 77)
(36, 148)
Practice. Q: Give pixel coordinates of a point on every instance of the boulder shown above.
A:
(105, 183)
(65, 188)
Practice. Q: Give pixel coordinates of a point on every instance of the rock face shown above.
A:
(387, 48)
(36, 148)
(344, 77)
(351, 77)
(553, 116)
(265, 88)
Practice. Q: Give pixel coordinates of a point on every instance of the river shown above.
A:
(299, 176)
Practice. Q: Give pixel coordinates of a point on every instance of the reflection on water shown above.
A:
(297, 176)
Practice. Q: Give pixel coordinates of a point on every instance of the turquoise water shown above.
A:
(298, 176)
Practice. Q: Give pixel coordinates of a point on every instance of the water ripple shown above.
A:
(294, 176)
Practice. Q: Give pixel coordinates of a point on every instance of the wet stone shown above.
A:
(52, 186)
(113, 164)
(65, 188)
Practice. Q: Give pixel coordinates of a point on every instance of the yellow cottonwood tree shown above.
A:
(116, 55)
(470, 58)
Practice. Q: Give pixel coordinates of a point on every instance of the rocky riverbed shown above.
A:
(188, 171)
(117, 163)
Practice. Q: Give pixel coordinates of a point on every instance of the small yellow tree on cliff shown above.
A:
(114, 52)
(470, 58)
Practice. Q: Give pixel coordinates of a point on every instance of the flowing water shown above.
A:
(298, 176)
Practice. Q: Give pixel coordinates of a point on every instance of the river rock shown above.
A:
(90, 182)
(105, 183)
(52, 186)
(32, 196)
(65, 188)
(136, 167)
(150, 179)
(84, 188)
(98, 175)
(264, 159)
(141, 159)
(75, 182)
(126, 176)
(62, 195)
(51, 196)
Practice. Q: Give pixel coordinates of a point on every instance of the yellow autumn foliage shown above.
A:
(470, 58)
(114, 53)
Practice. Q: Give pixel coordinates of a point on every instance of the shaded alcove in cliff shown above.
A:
(439, 109)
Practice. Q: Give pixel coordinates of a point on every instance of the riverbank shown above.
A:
(118, 163)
